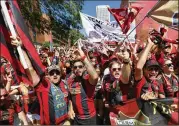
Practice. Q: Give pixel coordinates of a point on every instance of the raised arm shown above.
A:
(93, 76)
(142, 59)
(31, 73)
(126, 68)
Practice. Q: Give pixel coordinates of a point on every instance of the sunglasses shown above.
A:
(169, 65)
(54, 72)
(152, 68)
(115, 69)
(5, 96)
(80, 66)
(167, 46)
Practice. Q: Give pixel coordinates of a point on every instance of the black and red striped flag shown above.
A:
(23, 33)
(125, 16)
(8, 52)
(140, 112)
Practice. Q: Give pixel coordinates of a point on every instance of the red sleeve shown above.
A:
(17, 108)
(44, 84)
(139, 85)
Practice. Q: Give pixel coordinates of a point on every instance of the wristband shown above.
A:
(83, 58)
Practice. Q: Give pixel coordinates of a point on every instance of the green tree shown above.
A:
(63, 14)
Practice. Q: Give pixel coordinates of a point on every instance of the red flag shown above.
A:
(125, 16)
(10, 54)
(23, 33)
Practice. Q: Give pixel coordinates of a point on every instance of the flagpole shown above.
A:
(130, 33)
(138, 24)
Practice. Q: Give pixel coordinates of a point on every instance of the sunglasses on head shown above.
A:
(54, 72)
(153, 68)
(169, 65)
(80, 66)
(115, 69)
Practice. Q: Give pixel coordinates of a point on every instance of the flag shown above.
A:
(125, 16)
(154, 112)
(9, 53)
(166, 12)
(97, 30)
(98, 46)
(24, 35)
(145, 26)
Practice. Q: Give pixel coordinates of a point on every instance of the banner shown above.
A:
(154, 112)
(96, 30)
(100, 47)
(166, 12)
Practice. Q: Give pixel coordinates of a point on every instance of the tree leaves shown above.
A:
(63, 16)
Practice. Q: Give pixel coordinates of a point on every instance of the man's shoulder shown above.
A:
(43, 84)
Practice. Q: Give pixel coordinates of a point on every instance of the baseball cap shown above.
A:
(53, 67)
(151, 62)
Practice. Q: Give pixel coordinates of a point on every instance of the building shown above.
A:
(102, 12)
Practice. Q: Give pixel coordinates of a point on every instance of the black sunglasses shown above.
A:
(169, 65)
(153, 68)
(5, 96)
(80, 66)
(115, 69)
(54, 72)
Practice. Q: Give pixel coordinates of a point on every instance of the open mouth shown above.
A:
(152, 76)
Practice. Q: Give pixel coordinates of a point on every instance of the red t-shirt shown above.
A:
(109, 84)
(7, 112)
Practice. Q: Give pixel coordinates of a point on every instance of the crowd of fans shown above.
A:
(80, 85)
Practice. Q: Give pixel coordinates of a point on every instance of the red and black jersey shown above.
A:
(170, 85)
(82, 96)
(109, 86)
(53, 108)
(7, 112)
(64, 88)
(142, 86)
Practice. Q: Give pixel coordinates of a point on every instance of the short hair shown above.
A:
(113, 62)
(74, 61)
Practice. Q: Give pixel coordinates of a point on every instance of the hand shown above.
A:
(57, 53)
(150, 41)
(124, 55)
(134, 47)
(79, 54)
(174, 107)
(9, 77)
(148, 95)
(15, 41)
(71, 114)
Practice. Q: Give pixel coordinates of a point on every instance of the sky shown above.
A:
(89, 7)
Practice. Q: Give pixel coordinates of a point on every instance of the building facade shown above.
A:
(102, 13)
